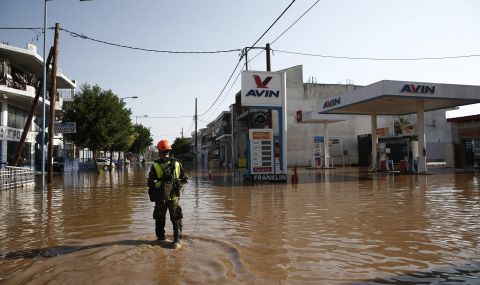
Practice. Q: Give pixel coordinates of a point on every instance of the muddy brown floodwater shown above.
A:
(340, 226)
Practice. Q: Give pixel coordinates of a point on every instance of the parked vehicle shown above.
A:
(104, 163)
(120, 162)
(58, 163)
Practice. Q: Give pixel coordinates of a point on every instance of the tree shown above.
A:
(142, 139)
(103, 122)
(181, 146)
(398, 125)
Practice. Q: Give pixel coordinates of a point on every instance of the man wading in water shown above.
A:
(164, 188)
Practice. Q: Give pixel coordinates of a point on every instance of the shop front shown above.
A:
(466, 139)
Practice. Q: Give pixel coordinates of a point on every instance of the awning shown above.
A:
(389, 97)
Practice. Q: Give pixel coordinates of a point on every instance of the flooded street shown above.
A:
(341, 226)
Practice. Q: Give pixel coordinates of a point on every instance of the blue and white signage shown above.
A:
(318, 139)
(262, 89)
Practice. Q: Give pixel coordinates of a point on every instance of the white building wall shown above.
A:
(306, 97)
(438, 134)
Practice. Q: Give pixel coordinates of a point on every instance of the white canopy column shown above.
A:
(422, 158)
(326, 148)
(374, 141)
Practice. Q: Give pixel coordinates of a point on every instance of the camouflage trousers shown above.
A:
(176, 216)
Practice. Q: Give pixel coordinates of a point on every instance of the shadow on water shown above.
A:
(55, 251)
(200, 260)
(444, 275)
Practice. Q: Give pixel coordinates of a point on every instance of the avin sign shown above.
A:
(331, 103)
(418, 89)
(262, 89)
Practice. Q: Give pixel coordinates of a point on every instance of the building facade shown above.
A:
(466, 141)
(21, 73)
(346, 136)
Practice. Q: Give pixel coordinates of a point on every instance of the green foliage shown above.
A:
(181, 146)
(398, 125)
(141, 140)
(103, 122)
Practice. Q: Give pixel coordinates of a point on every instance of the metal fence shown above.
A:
(15, 177)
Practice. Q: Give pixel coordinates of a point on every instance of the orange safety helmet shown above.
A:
(163, 145)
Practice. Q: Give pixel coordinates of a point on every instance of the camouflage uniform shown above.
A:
(164, 188)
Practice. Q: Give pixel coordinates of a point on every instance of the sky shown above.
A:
(167, 84)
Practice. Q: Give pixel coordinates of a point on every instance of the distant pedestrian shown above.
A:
(410, 166)
(164, 188)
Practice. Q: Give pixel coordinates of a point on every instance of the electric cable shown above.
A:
(21, 28)
(228, 91)
(301, 16)
(164, 117)
(82, 36)
(264, 33)
(278, 18)
(223, 89)
(286, 30)
(378, 58)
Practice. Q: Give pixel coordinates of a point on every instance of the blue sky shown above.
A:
(167, 84)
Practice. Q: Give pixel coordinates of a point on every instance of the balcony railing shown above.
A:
(9, 82)
(16, 177)
(67, 94)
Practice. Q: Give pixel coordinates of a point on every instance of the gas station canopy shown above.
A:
(400, 98)
(313, 117)
(389, 97)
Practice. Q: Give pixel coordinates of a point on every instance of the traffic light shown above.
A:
(38, 120)
(38, 138)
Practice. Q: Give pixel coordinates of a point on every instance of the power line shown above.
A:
(164, 117)
(223, 89)
(21, 28)
(231, 86)
(301, 16)
(278, 18)
(82, 36)
(379, 58)
(289, 27)
(264, 33)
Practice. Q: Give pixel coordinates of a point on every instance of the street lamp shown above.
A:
(44, 89)
(132, 97)
(142, 116)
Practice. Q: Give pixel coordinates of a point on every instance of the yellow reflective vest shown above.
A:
(159, 169)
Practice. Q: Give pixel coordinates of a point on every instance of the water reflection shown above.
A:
(343, 226)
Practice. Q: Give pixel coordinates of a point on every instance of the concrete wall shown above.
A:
(306, 97)
(438, 135)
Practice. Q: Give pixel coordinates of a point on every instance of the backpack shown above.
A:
(168, 183)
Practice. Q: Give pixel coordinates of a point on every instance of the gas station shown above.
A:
(396, 98)
(321, 155)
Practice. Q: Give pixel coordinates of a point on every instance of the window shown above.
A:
(16, 118)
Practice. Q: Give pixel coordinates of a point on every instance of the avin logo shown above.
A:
(263, 84)
(331, 103)
(422, 89)
(260, 83)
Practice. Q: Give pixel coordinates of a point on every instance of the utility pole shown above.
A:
(246, 58)
(53, 93)
(182, 132)
(196, 133)
(269, 68)
(267, 50)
